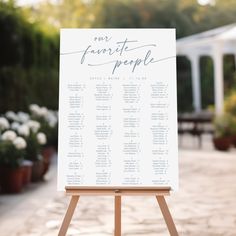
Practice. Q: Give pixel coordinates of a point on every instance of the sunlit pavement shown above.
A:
(205, 204)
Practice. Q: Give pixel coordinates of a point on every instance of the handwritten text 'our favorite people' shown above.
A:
(120, 49)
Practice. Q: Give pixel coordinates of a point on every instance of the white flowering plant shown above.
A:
(35, 142)
(48, 120)
(12, 149)
(51, 132)
(37, 129)
(20, 116)
(4, 124)
(11, 116)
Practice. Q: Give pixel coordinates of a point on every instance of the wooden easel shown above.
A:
(76, 192)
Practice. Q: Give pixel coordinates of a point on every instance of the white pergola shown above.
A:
(214, 43)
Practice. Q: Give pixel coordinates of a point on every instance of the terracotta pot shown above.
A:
(27, 171)
(222, 144)
(11, 179)
(47, 153)
(233, 140)
(37, 171)
(46, 166)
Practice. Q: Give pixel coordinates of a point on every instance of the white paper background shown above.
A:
(72, 71)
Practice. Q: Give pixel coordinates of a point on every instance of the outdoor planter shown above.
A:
(11, 156)
(11, 179)
(47, 153)
(233, 140)
(37, 171)
(222, 143)
(27, 171)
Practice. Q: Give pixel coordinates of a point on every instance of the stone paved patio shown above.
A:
(205, 205)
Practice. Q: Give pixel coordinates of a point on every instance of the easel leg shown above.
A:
(117, 215)
(167, 216)
(69, 213)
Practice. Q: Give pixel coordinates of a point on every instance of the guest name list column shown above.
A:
(103, 130)
(131, 134)
(75, 119)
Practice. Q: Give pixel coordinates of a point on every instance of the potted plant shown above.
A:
(48, 120)
(27, 171)
(24, 131)
(35, 140)
(230, 107)
(48, 125)
(42, 140)
(12, 151)
(224, 127)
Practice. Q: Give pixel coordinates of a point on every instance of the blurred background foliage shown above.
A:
(28, 62)
(30, 42)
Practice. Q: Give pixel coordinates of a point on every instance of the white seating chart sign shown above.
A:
(118, 108)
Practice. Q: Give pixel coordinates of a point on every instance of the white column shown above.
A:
(196, 88)
(218, 78)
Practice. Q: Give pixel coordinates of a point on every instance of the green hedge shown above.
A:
(184, 85)
(20, 87)
(28, 62)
